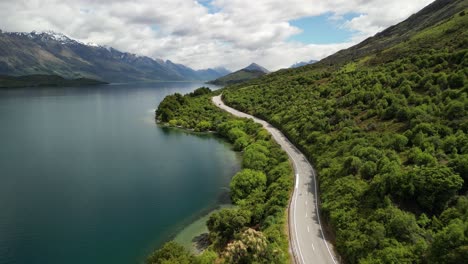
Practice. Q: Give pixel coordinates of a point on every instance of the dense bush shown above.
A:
(388, 134)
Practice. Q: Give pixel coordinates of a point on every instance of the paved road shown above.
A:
(308, 244)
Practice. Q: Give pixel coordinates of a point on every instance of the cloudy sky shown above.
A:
(212, 33)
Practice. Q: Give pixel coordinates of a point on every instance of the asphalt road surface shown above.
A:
(308, 243)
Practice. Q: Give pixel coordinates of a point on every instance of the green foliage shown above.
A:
(238, 77)
(433, 187)
(250, 247)
(42, 80)
(200, 91)
(388, 134)
(451, 243)
(223, 225)
(460, 165)
(206, 257)
(171, 253)
(246, 182)
(256, 157)
(260, 191)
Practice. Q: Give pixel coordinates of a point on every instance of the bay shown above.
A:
(86, 176)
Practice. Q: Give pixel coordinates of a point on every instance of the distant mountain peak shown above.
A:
(302, 63)
(23, 54)
(255, 67)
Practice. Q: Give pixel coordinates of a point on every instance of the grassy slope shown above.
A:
(43, 80)
(387, 129)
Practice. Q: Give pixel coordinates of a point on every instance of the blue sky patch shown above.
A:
(322, 29)
(207, 3)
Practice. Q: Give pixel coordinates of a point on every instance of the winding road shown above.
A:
(307, 240)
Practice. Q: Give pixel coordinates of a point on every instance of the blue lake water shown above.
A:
(86, 176)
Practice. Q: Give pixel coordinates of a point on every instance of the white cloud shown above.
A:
(184, 31)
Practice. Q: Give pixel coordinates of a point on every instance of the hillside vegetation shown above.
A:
(255, 230)
(39, 80)
(387, 129)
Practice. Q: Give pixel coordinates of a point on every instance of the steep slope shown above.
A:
(54, 53)
(248, 73)
(386, 125)
(429, 16)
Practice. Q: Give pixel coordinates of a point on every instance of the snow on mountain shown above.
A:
(24, 53)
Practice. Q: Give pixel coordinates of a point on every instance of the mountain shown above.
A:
(56, 54)
(434, 13)
(256, 67)
(385, 124)
(303, 63)
(248, 73)
(44, 80)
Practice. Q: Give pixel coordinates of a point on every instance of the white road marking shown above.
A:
(308, 230)
(313, 246)
(306, 213)
(285, 145)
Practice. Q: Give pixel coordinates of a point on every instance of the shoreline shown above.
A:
(194, 236)
(193, 232)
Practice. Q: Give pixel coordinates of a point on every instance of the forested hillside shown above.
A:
(43, 80)
(388, 134)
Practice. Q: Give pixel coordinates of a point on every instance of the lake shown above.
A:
(86, 176)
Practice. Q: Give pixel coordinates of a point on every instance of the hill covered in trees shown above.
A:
(386, 125)
(42, 80)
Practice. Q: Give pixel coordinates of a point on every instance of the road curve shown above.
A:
(307, 240)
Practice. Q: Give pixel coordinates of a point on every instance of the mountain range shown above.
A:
(245, 74)
(56, 54)
(303, 63)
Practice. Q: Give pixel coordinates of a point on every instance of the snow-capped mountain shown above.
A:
(49, 52)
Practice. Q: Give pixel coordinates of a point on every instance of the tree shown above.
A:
(451, 244)
(200, 91)
(171, 253)
(224, 224)
(206, 257)
(203, 126)
(460, 166)
(245, 182)
(255, 157)
(251, 247)
(433, 187)
(456, 80)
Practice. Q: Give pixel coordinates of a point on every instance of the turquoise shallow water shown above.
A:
(87, 177)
